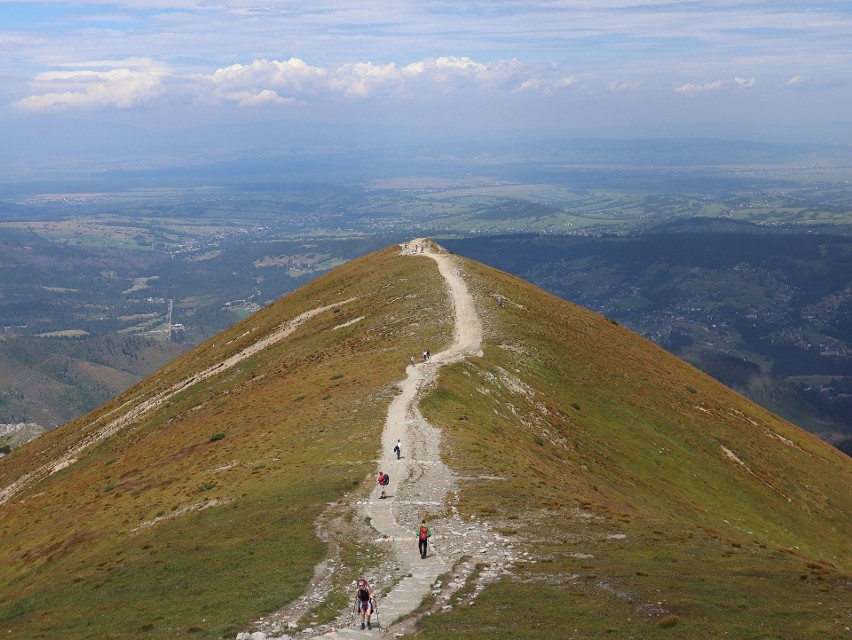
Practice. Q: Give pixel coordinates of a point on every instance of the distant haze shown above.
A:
(100, 80)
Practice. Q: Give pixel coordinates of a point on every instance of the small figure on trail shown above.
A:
(500, 301)
(412, 361)
(423, 534)
(425, 355)
(365, 603)
(428, 355)
(398, 449)
(382, 482)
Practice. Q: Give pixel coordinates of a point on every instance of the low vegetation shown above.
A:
(667, 506)
(649, 500)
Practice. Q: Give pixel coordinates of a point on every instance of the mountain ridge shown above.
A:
(587, 448)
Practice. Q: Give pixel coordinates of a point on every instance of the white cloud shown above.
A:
(263, 82)
(361, 79)
(716, 85)
(545, 86)
(792, 82)
(294, 80)
(120, 88)
(691, 87)
(624, 86)
(532, 84)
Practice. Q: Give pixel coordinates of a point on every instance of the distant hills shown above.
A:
(58, 379)
(644, 498)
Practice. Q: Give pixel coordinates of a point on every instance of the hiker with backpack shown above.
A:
(383, 480)
(365, 603)
(423, 534)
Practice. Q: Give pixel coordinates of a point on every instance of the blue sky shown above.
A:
(759, 69)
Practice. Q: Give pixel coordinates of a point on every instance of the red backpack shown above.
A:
(424, 532)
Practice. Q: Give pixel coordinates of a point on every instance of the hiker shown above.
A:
(428, 355)
(425, 355)
(398, 449)
(382, 483)
(412, 361)
(500, 302)
(365, 603)
(423, 533)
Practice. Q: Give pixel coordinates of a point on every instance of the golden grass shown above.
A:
(693, 510)
(269, 442)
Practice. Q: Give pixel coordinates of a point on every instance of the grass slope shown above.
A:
(653, 501)
(227, 479)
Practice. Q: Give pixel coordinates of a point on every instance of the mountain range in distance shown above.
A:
(595, 484)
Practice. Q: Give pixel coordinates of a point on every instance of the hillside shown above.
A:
(619, 490)
(53, 380)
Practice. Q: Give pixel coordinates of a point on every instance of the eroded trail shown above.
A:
(420, 484)
(419, 480)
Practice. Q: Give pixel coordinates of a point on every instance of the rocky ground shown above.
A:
(463, 552)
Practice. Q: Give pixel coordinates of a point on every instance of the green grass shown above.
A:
(611, 426)
(294, 428)
(606, 447)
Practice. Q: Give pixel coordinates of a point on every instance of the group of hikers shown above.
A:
(365, 601)
(417, 248)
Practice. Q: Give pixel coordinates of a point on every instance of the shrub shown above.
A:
(216, 436)
(668, 621)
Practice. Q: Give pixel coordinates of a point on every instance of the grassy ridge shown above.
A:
(269, 443)
(647, 491)
(654, 501)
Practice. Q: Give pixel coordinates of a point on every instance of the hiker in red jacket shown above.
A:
(382, 483)
(423, 534)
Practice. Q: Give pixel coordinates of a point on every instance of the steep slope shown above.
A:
(648, 492)
(53, 380)
(639, 493)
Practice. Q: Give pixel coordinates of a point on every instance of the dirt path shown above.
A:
(140, 408)
(420, 484)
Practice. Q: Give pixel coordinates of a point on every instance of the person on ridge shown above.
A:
(398, 449)
(382, 483)
(423, 534)
(365, 603)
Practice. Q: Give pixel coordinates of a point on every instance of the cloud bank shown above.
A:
(266, 82)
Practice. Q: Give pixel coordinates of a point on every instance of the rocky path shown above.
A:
(419, 485)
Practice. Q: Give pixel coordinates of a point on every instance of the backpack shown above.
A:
(424, 532)
(387, 479)
(363, 590)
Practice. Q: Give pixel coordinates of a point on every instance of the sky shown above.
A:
(107, 76)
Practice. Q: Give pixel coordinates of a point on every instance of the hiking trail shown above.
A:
(419, 484)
